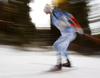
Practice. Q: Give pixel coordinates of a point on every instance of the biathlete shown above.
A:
(68, 26)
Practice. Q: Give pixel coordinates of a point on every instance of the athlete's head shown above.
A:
(47, 9)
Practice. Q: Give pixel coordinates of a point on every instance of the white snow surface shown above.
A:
(16, 63)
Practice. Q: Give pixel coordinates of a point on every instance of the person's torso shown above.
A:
(59, 22)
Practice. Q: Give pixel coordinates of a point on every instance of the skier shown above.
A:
(68, 26)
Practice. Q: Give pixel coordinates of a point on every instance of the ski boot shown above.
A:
(68, 64)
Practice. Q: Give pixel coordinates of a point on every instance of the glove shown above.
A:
(80, 31)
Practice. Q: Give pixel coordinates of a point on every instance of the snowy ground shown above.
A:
(15, 63)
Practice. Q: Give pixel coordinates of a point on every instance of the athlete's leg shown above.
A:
(57, 46)
(64, 48)
(58, 49)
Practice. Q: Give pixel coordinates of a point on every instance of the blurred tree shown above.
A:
(15, 23)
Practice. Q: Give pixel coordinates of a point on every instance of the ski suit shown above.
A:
(67, 26)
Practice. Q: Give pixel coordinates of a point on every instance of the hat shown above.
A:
(47, 8)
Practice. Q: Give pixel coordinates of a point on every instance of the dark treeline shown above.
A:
(16, 27)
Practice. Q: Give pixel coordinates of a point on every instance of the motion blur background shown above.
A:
(24, 24)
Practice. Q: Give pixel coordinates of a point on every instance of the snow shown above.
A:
(16, 63)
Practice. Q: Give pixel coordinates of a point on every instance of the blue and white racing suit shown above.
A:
(67, 31)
